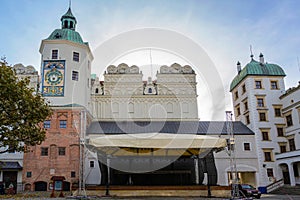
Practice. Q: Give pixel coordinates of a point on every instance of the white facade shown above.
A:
(259, 103)
(76, 91)
(289, 158)
(125, 96)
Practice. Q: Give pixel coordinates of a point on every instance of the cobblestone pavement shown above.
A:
(265, 196)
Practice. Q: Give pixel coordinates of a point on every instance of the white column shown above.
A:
(196, 170)
(291, 172)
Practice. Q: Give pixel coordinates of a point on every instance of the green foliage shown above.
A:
(21, 111)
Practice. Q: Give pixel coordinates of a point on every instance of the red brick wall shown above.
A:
(43, 168)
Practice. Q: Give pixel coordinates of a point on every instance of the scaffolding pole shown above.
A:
(231, 151)
(81, 188)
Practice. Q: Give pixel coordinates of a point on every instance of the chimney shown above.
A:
(261, 58)
(239, 68)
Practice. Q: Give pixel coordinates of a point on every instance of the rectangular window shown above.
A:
(280, 132)
(75, 75)
(268, 156)
(265, 135)
(236, 95)
(246, 105)
(282, 148)
(73, 174)
(44, 151)
(292, 144)
(247, 119)
(62, 123)
(28, 174)
(47, 124)
(238, 111)
(296, 172)
(277, 112)
(258, 85)
(61, 151)
(262, 117)
(247, 146)
(244, 88)
(76, 56)
(260, 102)
(289, 120)
(92, 164)
(274, 85)
(54, 54)
(270, 172)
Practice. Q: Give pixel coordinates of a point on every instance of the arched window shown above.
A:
(71, 24)
(149, 90)
(65, 24)
(97, 90)
(130, 108)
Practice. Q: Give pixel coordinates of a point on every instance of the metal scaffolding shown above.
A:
(231, 152)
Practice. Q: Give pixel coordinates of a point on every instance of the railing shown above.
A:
(275, 185)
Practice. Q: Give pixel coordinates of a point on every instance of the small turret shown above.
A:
(261, 58)
(68, 21)
(239, 67)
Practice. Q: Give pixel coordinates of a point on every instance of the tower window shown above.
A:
(280, 132)
(258, 85)
(62, 123)
(75, 75)
(54, 54)
(247, 119)
(274, 85)
(289, 120)
(97, 91)
(76, 56)
(47, 124)
(71, 24)
(268, 156)
(244, 88)
(44, 151)
(262, 117)
(66, 24)
(277, 112)
(292, 144)
(61, 151)
(260, 102)
(265, 135)
(28, 174)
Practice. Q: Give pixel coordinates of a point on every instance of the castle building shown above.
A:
(128, 125)
(261, 102)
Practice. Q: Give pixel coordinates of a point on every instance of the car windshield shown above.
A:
(247, 187)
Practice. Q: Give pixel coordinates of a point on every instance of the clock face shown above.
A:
(54, 77)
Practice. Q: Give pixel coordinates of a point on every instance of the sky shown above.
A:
(223, 29)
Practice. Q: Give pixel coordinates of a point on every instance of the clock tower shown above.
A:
(66, 65)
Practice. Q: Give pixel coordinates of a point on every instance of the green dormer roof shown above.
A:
(66, 34)
(256, 68)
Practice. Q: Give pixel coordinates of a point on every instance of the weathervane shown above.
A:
(251, 52)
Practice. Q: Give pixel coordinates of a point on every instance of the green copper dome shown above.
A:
(256, 68)
(66, 34)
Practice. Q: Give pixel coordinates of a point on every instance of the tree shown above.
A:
(21, 112)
